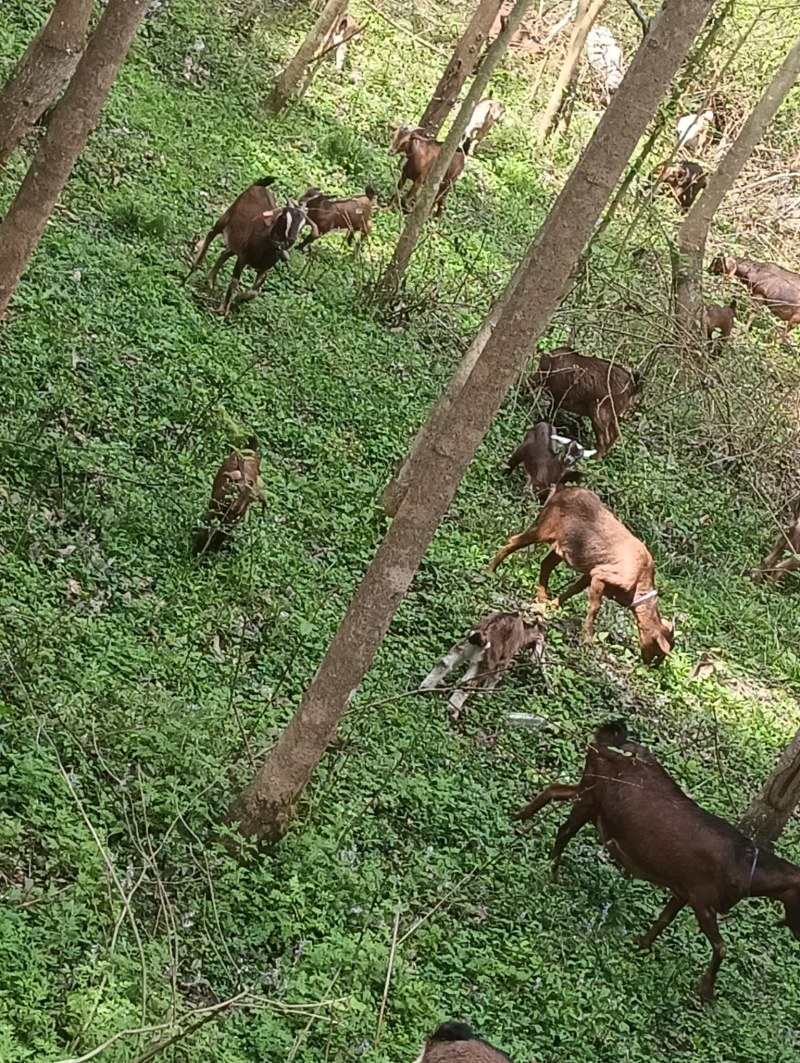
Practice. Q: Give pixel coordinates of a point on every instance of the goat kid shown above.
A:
(340, 35)
(544, 466)
(257, 233)
(693, 131)
(589, 387)
(685, 180)
(236, 485)
(656, 832)
(769, 284)
(605, 58)
(486, 114)
(719, 322)
(488, 650)
(613, 564)
(420, 152)
(454, 1042)
(352, 214)
(788, 541)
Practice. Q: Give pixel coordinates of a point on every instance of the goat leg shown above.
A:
(671, 909)
(555, 792)
(546, 569)
(582, 812)
(234, 284)
(516, 542)
(579, 585)
(223, 258)
(707, 921)
(596, 589)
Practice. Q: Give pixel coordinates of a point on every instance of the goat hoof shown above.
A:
(541, 597)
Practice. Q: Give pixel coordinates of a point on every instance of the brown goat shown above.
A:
(589, 387)
(720, 319)
(613, 564)
(420, 152)
(257, 233)
(352, 214)
(655, 832)
(544, 468)
(524, 39)
(489, 649)
(788, 541)
(236, 485)
(338, 37)
(773, 286)
(686, 180)
(454, 1042)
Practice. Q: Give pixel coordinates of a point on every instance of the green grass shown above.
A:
(137, 684)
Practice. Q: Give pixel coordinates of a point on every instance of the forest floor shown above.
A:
(138, 687)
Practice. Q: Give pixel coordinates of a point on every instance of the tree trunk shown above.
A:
(48, 63)
(266, 807)
(395, 271)
(74, 117)
(460, 67)
(772, 809)
(288, 83)
(693, 233)
(585, 17)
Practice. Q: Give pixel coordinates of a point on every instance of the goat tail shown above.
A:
(613, 733)
(251, 444)
(265, 182)
(637, 376)
(371, 192)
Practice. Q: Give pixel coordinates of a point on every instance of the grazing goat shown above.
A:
(420, 152)
(771, 285)
(257, 233)
(488, 649)
(655, 832)
(236, 484)
(613, 564)
(788, 541)
(454, 1042)
(685, 180)
(544, 467)
(719, 320)
(486, 114)
(694, 131)
(605, 58)
(589, 387)
(340, 35)
(352, 214)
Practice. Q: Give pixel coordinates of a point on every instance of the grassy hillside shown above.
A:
(138, 687)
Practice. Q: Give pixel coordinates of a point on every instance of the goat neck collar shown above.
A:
(642, 599)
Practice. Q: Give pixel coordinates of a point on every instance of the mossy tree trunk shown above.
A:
(693, 233)
(409, 238)
(290, 81)
(266, 807)
(461, 66)
(46, 66)
(772, 809)
(73, 119)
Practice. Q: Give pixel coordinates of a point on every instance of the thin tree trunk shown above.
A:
(771, 810)
(395, 271)
(585, 17)
(288, 83)
(48, 63)
(460, 67)
(266, 807)
(74, 117)
(693, 233)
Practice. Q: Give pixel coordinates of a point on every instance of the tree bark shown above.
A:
(288, 83)
(395, 271)
(74, 117)
(460, 67)
(772, 809)
(266, 807)
(693, 233)
(585, 17)
(49, 62)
